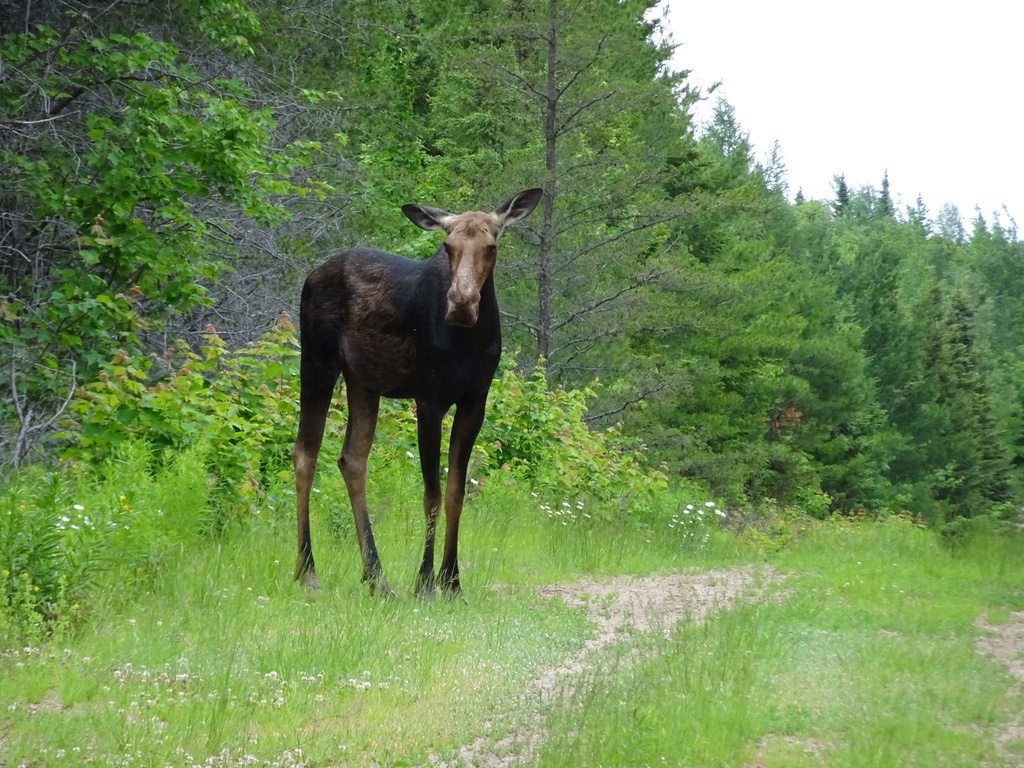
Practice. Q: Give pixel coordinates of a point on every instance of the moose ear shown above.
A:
(427, 218)
(519, 207)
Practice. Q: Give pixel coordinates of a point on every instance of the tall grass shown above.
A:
(198, 649)
(191, 648)
(699, 698)
(227, 657)
(869, 660)
(69, 540)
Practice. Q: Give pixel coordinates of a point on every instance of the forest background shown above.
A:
(172, 170)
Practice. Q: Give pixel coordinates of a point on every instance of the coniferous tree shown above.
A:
(917, 216)
(950, 224)
(773, 169)
(886, 209)
(842, 201)
(763, 348)
(969, 466)
(596, 119)
(768, 392)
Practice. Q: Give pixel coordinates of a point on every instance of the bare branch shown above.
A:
(597, 304)
(625, 233)
(519, 320)
(584, 68)
(595, 418)
(525, 86)
(26, 414)
(6, 123)
(567, 124)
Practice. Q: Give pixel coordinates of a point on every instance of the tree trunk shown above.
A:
(547, 231)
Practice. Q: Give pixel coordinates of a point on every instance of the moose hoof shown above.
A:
(379, 586)
(308, 580)
(455, 596)
(452, 590)
(426, 588)
(384, 590)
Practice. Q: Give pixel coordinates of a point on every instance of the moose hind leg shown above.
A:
(315, 401)
(362, 422)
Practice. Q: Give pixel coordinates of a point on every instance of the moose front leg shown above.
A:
(428, 428)
(469, 416)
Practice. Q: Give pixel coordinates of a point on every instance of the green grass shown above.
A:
(866, 656)
(869, 660)
(229, 654)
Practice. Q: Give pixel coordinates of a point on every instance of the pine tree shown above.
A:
(774, 170)
(918, 217)
(886, 209)
(591, 113)
(842, 201)
(963, 464)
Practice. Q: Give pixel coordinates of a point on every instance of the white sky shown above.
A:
(930, 91)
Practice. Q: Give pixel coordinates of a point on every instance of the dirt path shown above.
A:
(1005, 644)
(622, 603)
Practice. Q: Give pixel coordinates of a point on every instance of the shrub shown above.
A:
(104, 529)
(32, 573)
(539, 435)
(155, 462)
(243, 404)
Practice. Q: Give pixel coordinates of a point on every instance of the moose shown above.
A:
(396, 327)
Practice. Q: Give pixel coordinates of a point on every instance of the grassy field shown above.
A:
(867, 659)
(864, 654)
